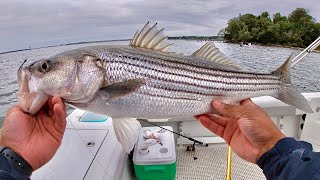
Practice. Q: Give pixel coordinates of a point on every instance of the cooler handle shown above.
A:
(155, 169)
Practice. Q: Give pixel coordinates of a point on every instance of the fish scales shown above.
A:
(192, 75)
(180, 84)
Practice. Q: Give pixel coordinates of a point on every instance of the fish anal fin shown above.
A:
(127, 132)
(121, 89)
(151, 38)
(212, 53)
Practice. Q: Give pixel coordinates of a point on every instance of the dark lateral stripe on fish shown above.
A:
(164, 88)
(205, 70)
(217, 89)
(168, 97)
(235, 88)
(200, 79)
(179, 91)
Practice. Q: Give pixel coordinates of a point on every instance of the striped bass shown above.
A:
(146, 80)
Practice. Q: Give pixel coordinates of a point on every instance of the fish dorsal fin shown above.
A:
(210, 52)
(151, 38)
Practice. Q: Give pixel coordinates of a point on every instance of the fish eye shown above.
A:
(44, 67)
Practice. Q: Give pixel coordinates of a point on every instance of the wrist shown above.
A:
(16, 161)
(28, 157)
(271, 143)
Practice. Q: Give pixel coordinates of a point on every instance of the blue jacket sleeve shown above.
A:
(7, 172)
(291, 159)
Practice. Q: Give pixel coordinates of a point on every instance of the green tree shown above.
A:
(265, 15)
(232, 31)
(265, 24)
(302, 25)
(249, 20)
(244, 34)
(277, 18)
(300, 16)
(298, 29)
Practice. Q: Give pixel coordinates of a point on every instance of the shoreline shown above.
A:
(253, 43)
(279, 46)
(289, 47)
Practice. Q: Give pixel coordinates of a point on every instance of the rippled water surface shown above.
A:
(305, 75)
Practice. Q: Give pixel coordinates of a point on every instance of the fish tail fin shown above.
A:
(288, 94)
(127, 132)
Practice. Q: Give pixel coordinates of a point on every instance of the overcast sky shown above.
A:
(25, 23)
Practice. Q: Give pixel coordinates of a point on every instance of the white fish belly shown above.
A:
(143, 106)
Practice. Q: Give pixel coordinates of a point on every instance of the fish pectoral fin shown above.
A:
(127, 132)
(121, 89)
(210, 52)
(151, 38)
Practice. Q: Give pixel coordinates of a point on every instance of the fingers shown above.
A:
(197, 116)
(213, 123)
(58, 100)
(228, 109)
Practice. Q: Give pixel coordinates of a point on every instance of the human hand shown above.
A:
(35, 137)
(247, 128)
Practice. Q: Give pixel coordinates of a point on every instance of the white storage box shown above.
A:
(155, 158)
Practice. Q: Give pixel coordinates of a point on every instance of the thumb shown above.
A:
(13, 109)
(59, 114)
(234, 111)
(248, 102)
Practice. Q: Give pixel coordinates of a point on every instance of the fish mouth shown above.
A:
(30, 98)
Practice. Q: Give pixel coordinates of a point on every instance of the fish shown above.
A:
(145, 80)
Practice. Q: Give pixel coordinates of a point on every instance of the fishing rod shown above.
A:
(305, 52)
(191, 139)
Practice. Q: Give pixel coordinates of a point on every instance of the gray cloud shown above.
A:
(40, 23)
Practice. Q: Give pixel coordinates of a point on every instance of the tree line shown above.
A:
(299, 29)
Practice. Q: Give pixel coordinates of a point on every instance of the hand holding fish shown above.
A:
(246, 128)
(35, 137)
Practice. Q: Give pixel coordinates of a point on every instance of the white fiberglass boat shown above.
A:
(90, 149)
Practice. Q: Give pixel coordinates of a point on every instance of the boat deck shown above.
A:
(211, 164)
(90, 150)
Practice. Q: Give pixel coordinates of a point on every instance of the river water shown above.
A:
(305, 75)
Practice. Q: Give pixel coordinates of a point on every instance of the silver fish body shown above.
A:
(175, 85)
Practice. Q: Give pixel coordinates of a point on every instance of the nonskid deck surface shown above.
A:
(211, 164)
